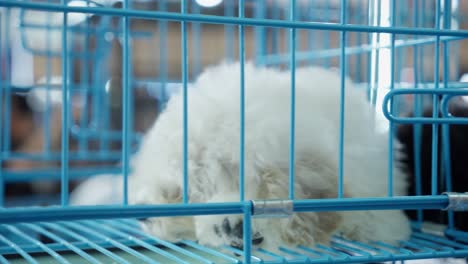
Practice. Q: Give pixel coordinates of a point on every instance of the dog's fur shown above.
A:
(213, 159)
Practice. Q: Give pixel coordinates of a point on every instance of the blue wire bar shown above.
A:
(435, 105)
(66, 109)
(126, 120)
(342, 101)
(210, 19)
(185, 192)
(242, 105)
(15, 215)
(292, 65)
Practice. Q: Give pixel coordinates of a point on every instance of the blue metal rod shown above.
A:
(65, 112)
(163, 57)
(361, 49)
(55, 174)
(435, 110)
(449, 93)
(260, 40)
(417, 112)
(15, 215)
(392, 103)
(446, 156)
(2, 88)
(55, 156)
(342, 101)
(156, 15)
(387, 203)
(85, 74)
(242, 104)
(247, 232)
(229, 32)
(126, 104)
(185, 195)
(292, 64)
(7, 90)
(196, 41)
(48, 105)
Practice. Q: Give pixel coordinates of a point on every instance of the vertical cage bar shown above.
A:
(392, 102)
(7, 89)
(3, 54)
(342, 99)
(447, 11)
(417, 131)
(260, 40)
(380, 58)
(359, 42)
(326, 44)
(292, 62)
(163, 55)
(196, 45)
(311, 33)
(247, 226)
(47, 112)
(185, 110)
(275, 32)
(83, 141)
(399, 15)
(229, 31)
(374, 20)
(435, 108)
(242, 103)
(65, 111)
(126, 103)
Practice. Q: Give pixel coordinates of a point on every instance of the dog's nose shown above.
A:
(257, 239)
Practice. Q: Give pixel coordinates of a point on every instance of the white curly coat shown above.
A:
(213, 160)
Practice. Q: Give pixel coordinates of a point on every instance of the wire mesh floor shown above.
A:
(121, 241)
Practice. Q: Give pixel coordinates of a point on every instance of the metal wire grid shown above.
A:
(420, 246)
(121, 241)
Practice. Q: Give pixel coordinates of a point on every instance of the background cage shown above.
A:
(116, 62)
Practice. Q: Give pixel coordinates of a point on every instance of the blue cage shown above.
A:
(82, 82)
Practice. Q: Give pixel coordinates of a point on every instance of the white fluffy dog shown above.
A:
(213, 160)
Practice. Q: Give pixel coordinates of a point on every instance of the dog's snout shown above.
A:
(257, 239)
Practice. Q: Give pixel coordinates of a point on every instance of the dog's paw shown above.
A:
(225, 230)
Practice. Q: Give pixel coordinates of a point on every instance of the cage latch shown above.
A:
(272, 208)
(457, 201)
